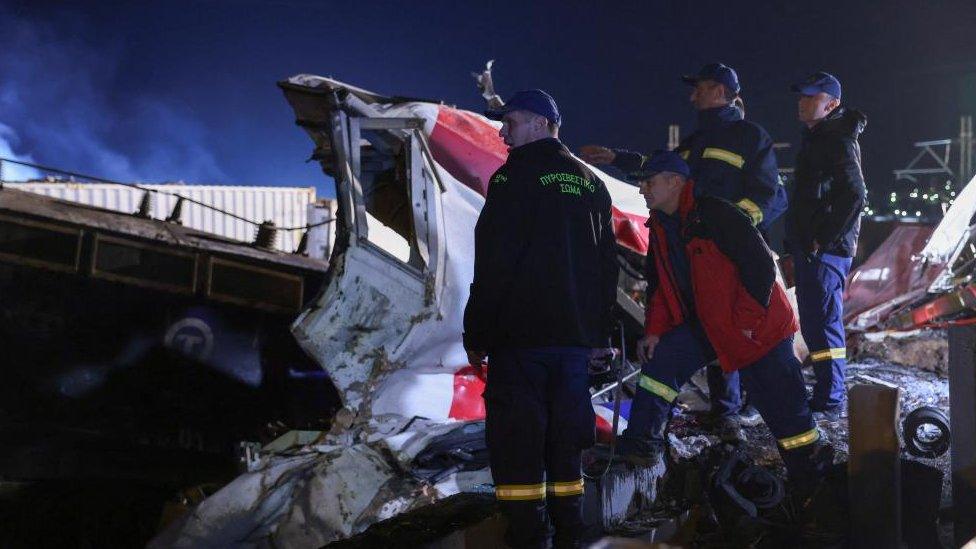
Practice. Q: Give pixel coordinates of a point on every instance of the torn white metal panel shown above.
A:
(243, 513)
(385, 340)
(953, 228)
(360, 322)
(324, 494)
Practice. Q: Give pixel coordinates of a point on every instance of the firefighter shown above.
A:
(712, 293)
(730, 158)
(545, 276)
(823, 223)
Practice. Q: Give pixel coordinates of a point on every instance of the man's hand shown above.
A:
(596, 154)
(645, 347)
(477, 359)
(601, 360)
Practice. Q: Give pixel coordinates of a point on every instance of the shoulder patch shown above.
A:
(498, 178)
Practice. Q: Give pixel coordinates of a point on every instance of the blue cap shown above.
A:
(535, 101)
(716, 72)
(661, 161)
(818, 82)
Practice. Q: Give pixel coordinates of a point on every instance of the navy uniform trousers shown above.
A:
(539, 420)
(820, 282)
(774, 382)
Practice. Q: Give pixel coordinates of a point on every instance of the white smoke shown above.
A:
(58, 106)
(13, 172)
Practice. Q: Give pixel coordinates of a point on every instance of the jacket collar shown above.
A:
(718, 116)
(541, 145)
(840, 121)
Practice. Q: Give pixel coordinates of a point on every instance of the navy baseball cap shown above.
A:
(661, 161)
(716, 72)
(818, 82)
(535, 101)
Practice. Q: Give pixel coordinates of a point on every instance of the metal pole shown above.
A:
(962, 150)
(968, 152)
(965, 149)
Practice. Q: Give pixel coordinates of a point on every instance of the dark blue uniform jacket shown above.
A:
(730, 158)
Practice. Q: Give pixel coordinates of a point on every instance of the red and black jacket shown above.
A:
(733, 281)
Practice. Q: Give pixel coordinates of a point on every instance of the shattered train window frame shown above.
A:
(384, 151)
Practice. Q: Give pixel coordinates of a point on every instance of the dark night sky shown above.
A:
(186, 90)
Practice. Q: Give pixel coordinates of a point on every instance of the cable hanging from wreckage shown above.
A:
(266, 230)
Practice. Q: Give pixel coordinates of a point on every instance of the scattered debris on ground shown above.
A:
(695, 453)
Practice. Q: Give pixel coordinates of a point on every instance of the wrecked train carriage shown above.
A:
(141, 349)
(411, 177)
(920, 276)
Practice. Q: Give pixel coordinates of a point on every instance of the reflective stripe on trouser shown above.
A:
(564, 489)
(539, 419)
(774, 382)
(800, 440)
(519, 492)
(657, 388)
(680, 352)
(820, 284)
(828, 354)
(776, 389)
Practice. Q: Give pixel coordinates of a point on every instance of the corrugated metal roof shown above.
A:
(285, 206)
(83, 215)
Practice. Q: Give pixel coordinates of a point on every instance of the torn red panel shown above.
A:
(466, 146)
(468, 404)
(630, 230)
(890, 273)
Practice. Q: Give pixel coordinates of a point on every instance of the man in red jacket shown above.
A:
(712, 293)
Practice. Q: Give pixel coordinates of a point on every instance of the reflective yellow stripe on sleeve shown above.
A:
(684, 155)
(803, 439)
(569, 488)
(828, 354)
(752, 209)
(725, 156)
(655, 387)
(516, 492)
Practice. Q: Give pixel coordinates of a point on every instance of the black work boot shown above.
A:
(640, 451)
(807, 469)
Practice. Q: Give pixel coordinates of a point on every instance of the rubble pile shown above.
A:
(695, 517)
(927, 350)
